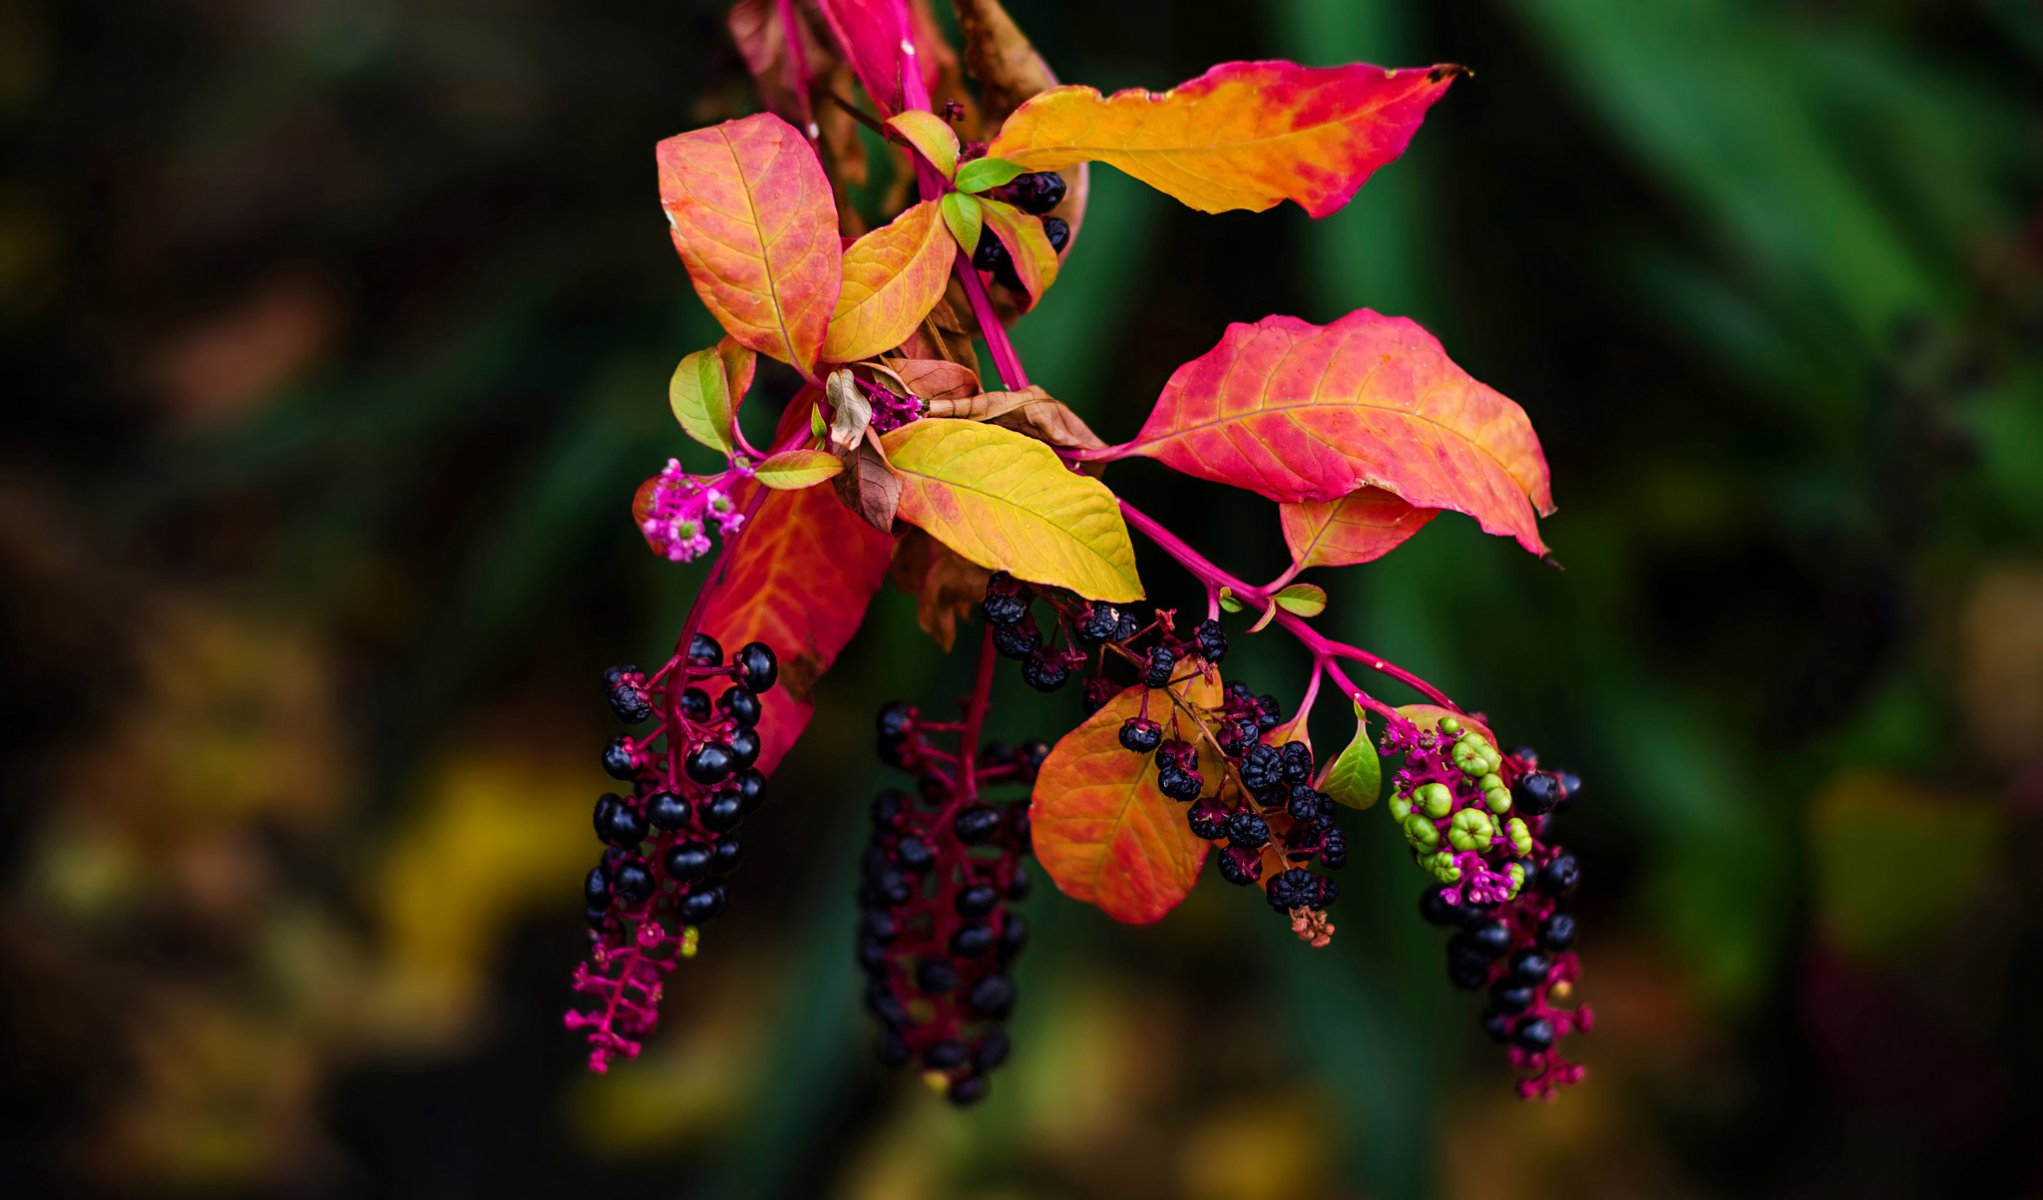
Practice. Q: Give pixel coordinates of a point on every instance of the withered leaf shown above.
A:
(946, 586)
(868, 485)
(1031, 411)
(935, 378)
(850, 411)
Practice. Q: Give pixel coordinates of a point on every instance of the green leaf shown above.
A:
(792, 470)
(1356, 777)
(1228, 602)
(1305, 599)
(700, 395)
(965, 218)
(983, 173)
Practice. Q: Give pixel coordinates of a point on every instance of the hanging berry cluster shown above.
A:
(986, 499)
(937, 941)
(671, 841)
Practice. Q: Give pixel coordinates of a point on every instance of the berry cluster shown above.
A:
(936, 940)
(670, 842)
(1501, 884)
(1114, 646)
(1037, 193)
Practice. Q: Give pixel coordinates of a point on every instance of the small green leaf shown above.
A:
(793, 470)
(964, 217)
(1227, 601)
(816, 425)
(1355, 778)
(931, 136)
(1305, 599)
(700, 395)
(983, 173)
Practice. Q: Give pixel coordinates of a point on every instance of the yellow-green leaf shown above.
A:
(964, 217)
(1356, 777)
(792, 470)
(1008, 503)
(1305, 599)
(893, 276)
(700, 395)
(931, 135)
(983, 173)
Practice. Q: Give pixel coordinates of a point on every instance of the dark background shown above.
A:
(336, 337)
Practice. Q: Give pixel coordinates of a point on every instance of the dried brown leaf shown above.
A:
(868, 485)
(946, 586)
(1031, 411)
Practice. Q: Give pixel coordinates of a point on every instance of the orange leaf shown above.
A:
(1360, 527)
(1034, 260)
(752, 215)
(893, 276)
(1245, 135)
(1007, 502)
(1102, 830)
(798, 577)
(934, 378)
(1295, 411)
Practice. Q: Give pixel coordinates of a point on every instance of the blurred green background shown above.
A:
(336, 337)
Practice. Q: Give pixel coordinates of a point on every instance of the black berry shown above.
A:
(634, 883)
(710, 763)
(689, 860)
(705, 903)
(1141, 735)
(757, 667)
(740, 704)
(666, 810)
(704, 651)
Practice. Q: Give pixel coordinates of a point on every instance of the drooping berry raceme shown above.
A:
(1477, 821)
(671, 840)
(937, 939)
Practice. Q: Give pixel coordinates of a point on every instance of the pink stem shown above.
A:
(798, 55)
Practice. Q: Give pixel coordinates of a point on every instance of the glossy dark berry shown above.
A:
(1570, 785)
(1508, 997)
(596, 889)
(705, 903)
(991, 253)
(1559, 876)
(1018, 641)
(1308, 806)
(722, 812)
(629, 702)
(1268, 712)
(612, 676)
(1098, 624)
(967, 1090)
(757, 667)
(1057, 231)
(633, 883)
(1534, 1035)
(971, 941)
(1558, 932)
(1525, 755)
(976, 824)
(704, 651)
(620, 761)
(1262, 770)
(1333, 849)
(1535, 794)
(618, 824)
(1298, 764)
(729, 853)
(1497, 1026)
(740, 704)
(936, 976)
(992, 1052)
(914, 855)
(596, 917)
(1045, 672)
(1248, 830)
(751, 787)
(695, 704)
(1490, 936)
(666, 810)
(1208, 820)
(1018, 884)
(1436, 910)
(992, 996)
(709, 763)
(1239, 867)
(1131, 625)
(1014, 934)
(1029, 757)
(976, 901)
(1295, 888)
(1179, 784)
(1141, 735)
(1212, 641)
(1467, 967)
(1037, 192)
(888, 807)
(1002, 609)
(896, 719)
(689, 860)
(1530, 967)
(1156, 673)
(745, 746)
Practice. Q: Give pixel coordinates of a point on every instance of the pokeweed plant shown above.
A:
(896, 458)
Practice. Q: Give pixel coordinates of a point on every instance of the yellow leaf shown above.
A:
(893, 276)
(793, 470)
(1007, 502)
(931, 135)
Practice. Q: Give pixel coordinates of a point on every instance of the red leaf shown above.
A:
(798, 578)
(752, 215)
(869, 31)
(1360, 527)
(1245, 135)
(1295, 411)
(1102, 830)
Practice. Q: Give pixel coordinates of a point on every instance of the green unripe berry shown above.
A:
(1400, 807)
(1471, 830)
(1435, 799)
(1450, 726)
(1442, 866)
(1520, 835)
(1420, 832)
(1495, 794)
(1517, 876)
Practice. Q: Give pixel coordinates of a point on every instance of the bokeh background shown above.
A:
(336, 336)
